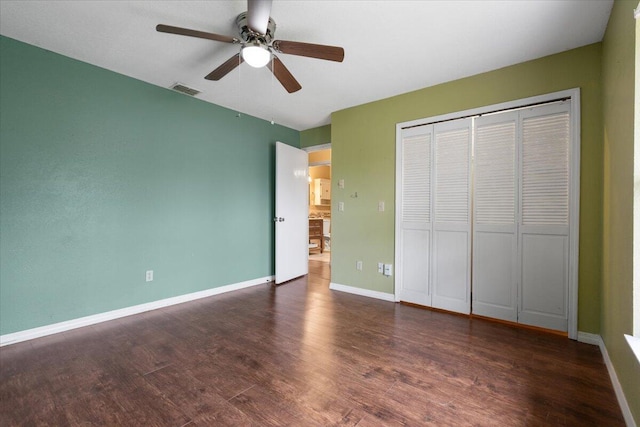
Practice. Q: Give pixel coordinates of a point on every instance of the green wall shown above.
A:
(315, 136)
(618, 74)
(103, 177)
(363, 154)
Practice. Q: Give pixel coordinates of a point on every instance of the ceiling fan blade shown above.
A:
(319, 51)
(258, 15)
(195, 33)
(283, 75)
(225, 68)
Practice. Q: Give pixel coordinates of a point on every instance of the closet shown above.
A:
(486, 214)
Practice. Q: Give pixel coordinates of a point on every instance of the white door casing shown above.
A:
(291, 215)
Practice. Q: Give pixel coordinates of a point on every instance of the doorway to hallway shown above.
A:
(319, 197)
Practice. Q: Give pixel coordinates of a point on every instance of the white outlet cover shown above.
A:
(359, 265)
(341, 183)
(381, 206)
(388, 269)
(149, 276)
(341, 206)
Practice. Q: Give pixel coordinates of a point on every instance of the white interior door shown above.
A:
(452, 216)
(291, 216)
(495, 276)
(413, 221)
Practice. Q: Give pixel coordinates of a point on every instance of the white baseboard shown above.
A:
(363, 292)
(55, 328)
(595, 339)
(588, 338)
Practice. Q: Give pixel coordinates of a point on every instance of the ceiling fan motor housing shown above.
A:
(248, 35)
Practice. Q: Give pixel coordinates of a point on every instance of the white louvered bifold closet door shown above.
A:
(494, 221)
(544, 217)
(452, 216)
(413, 258)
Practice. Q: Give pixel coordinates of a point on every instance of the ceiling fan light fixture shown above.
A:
(256, 54)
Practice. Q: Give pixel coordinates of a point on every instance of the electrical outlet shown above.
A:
(341, 206)
(380, 267)
(388, 269)
(149, 276)
(359, 265)
(381, 206)
(341, 183)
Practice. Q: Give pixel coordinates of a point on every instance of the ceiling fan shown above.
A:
(256, 30)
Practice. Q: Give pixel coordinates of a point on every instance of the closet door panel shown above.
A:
(451, 275)
(415, 266)
(494, 220)
(452, 216)
(414, 213)
(544, 209)
(494, 272)
(544, 281)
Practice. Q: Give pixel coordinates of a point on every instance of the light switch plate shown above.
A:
(341, 183)
(381, 206)
(341, 206)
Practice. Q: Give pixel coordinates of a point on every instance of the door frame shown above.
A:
(574, 182)
(321, 147)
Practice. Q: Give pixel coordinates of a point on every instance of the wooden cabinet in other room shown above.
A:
(322, 191)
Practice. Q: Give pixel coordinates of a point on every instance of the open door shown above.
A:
(291, 216)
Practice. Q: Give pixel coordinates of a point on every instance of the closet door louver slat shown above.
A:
(416, 179)
(495, 174)
(545, 170)
(452, 176)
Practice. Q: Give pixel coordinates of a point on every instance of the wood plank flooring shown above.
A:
(302, 355)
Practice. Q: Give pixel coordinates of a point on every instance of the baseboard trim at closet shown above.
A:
(521, 325)
(362, 292)
(488, 319)
(437, 310)
(588, 338)
(42, 331)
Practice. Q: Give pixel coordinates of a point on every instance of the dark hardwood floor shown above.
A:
(300, 354)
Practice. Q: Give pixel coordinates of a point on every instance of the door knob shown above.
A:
(278, 219)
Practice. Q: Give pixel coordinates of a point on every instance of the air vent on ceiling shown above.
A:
(179, 87)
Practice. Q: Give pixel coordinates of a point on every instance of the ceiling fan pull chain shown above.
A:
(272, 100)
(239, 115)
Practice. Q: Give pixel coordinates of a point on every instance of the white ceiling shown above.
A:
(391, 47)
